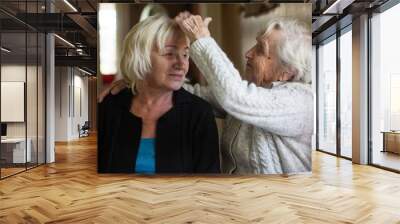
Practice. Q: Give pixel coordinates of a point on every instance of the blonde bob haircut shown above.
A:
(148, 34)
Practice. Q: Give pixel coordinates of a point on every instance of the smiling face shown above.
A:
(262, 67)
(171, 64)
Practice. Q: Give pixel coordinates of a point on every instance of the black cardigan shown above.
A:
(186, 136)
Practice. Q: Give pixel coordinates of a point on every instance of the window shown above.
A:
(22, 74)
(327, 96)
(346, 93)
(385, 89)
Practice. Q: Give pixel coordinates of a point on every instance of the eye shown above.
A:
(168, 54)
(259, 48)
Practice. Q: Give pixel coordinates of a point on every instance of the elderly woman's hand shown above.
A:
(193, 25)
(114, 88)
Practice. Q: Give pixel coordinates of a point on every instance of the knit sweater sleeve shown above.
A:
(205, 93)
(284, 110)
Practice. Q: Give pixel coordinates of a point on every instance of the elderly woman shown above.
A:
(269, 120)
(155, 126)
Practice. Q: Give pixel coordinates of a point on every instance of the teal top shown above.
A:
(145, 159)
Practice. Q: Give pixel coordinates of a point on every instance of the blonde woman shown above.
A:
(155, 126)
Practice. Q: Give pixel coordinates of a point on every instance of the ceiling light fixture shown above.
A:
(65, 41)
(70, 5)
(5, 50)
(337, 7)
(84, 71)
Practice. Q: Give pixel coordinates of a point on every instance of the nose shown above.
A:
(249, 53)
(180, 61)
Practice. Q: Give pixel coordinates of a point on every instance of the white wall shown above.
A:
(61, 103)
(71, 94)
(33, 127)
(80, 110)
(13, 73)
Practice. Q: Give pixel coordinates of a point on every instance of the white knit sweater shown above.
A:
(266, 131)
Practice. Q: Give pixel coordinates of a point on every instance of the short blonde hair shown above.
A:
(294, 48)
(150, 33)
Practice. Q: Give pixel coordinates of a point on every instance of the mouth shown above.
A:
(248, 65)
(176, 76)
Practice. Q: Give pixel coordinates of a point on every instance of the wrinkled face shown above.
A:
(171, 64)
(262, 67)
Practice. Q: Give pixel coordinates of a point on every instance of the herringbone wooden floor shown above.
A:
(70, 191)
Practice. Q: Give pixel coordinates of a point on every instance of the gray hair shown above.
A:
(294, 47)
(152, 32)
